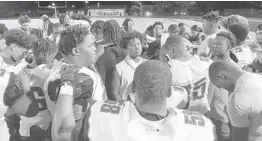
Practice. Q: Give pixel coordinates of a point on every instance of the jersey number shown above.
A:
(199, 89)
(111, 107)
(41, 102)
(194, 118)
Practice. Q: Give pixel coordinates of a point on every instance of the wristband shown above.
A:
(66, 90)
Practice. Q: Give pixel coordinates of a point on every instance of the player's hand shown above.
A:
(23, 80)
(82, 83)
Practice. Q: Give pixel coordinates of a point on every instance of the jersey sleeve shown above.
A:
(81, 130)
(238, 111)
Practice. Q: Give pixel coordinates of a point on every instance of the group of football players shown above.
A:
(100, 81)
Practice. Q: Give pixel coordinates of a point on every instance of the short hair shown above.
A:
(149, 31)
(240, 31)
(158, 23)
(228, 35)
(97, 27)
(217, 66)
(173, 28)
(3, 28)
(196, 28)
(154, 79)
(174, 39)
(111, 31)
(212, 16)
(19, 37)
(36, 32)
(259, 27)
(43, 48)
(45, 17)
(62, 18)
(57, 25)
(24, 19)
(181, 24)
(233, 19)
(125, 23)
(71, 37)
(127, 37)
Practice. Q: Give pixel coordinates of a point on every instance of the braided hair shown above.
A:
(111, 31)
(97, 27)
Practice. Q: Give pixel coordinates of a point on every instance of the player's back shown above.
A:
(245, 105)
(193, 76)
(117, 121)
(43, 118)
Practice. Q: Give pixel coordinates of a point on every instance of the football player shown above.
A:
(17, 44)
(35, 128)
(77, 46)
(245, 99)
(147, 119)
(189, 72)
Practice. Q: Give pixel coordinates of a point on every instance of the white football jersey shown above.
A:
(244, 55)
(193, 76)
(5, 70)
(99, 92)
(43, 118)
(126, 70)
(113, 121)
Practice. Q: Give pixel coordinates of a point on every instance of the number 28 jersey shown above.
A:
(112, 121)
(193, 76)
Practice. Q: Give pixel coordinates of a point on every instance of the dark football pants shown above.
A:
(13, 127)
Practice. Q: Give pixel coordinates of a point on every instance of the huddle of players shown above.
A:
(54, 87)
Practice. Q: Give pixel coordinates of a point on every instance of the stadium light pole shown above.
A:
(54, 7)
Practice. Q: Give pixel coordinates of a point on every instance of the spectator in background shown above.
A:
(3, 29)
(128, 25)
(24, 22)
(47, 26)
(112, 55)
(196, 36)
(182, 31)
(36, 32)
(210, 28)
(65, 20)
(158, 29)
(173, 29)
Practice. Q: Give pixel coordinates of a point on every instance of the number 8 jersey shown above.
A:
(113, 121)
(193, 76)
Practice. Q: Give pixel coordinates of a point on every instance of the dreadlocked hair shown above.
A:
(24, 19)
(42, 48)
(19, 37)
(97, 27)
(127, 37)
(212, 16)
(71, 37)
(111, 31)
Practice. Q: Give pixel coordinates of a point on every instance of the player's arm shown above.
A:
(238, 113)
(112, 79)
(20, 99)
(63, 121)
